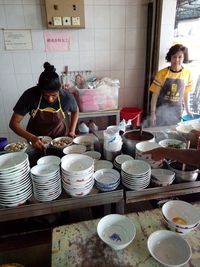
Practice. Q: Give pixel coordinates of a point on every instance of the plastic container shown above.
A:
(3, 142)
(189, 118)
(133, 114)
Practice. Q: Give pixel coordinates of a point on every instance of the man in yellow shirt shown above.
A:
(170, 89)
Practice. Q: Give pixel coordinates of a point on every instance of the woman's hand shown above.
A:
(71, 134)
(37, 143)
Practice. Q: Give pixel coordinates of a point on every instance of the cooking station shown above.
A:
(119, 197)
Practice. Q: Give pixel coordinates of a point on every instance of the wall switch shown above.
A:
(76, 21)
(66, 20)
(57, 21)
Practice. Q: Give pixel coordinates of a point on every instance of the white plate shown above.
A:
(49, 160)
(93, 154)
(74, 149)
(11, 161)
(44, 169)
(102, 164)
(135, 167)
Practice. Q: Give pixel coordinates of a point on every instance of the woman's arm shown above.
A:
(73, 123)
(187, 156)
(15, 125)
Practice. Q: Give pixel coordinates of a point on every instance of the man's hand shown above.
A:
(71, 134)
(37, 143)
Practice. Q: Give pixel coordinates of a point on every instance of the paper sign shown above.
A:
(56, 40)
(17, 39)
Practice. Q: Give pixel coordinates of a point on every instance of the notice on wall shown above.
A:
(18, 39)
(57, 40)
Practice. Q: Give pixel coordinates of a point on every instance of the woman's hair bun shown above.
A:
(48, 67)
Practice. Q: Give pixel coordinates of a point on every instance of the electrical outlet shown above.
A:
(76, 21)
(66, 21)
(57, 21)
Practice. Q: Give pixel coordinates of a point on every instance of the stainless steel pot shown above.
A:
(190, 173)
(131, 138)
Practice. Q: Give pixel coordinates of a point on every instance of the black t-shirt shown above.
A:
(29, 101)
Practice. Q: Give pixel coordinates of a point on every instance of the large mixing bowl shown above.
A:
(190, 173)
(131, 138)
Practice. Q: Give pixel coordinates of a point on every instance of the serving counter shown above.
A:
(79, 245)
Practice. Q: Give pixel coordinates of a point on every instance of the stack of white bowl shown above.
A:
(145, 146)
(77, 174)
(107, 179)
(15, 182)
(121, 159)
(180, 216)
(46, 181)
(135, 174)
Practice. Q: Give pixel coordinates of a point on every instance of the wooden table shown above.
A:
(79, 245)
(63, 203)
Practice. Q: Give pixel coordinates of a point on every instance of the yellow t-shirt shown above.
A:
(165, 73)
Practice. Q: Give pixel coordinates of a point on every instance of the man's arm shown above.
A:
(187, 156)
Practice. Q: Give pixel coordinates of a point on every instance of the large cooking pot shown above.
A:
(190, 173)
(131, 138)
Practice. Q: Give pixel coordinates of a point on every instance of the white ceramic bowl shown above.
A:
(49, 160)
(135, 167)
(16, 147)
(86, 140)
(173, 143)
(74, 149)
(180, 213)
(116, 230)
(178, 229)
(62, 142)
(162, 177)
(169, 248)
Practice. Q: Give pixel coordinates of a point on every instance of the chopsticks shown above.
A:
(187, 147)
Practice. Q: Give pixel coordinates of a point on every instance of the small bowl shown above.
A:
(180, 213)
(169, 248)
(116, 230)
(87, 140)
(93, 154)
(62, 142)
(162, 177)
(16, 147)
(173, 143)
(178, 229)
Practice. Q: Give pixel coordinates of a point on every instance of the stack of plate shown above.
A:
(106, 179)
(121, 159)
(136, 174)
(15, 182)
(46, 181)
(77, 174)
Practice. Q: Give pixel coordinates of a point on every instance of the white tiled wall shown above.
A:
(112, 44)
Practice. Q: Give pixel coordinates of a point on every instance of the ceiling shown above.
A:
(187, 9)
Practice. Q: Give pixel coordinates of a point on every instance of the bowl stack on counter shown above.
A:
(121, 159)
(77, 174)
(136, 174)
(46, 181)
(15, 182)
(106, 179)
(180, 216)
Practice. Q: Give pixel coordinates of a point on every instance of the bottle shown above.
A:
(92, 126)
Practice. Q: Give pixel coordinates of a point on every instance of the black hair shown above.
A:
(176, 48)
(49, 79)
